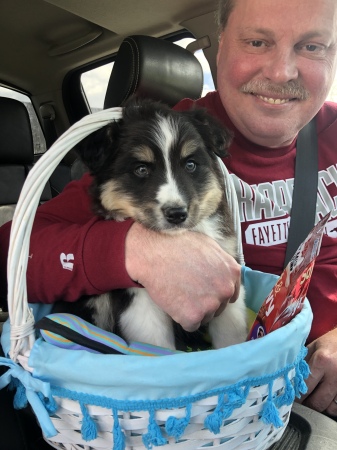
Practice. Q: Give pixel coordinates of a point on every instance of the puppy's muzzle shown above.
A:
(175, 215)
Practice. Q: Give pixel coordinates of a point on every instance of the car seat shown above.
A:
(148, 67)
(16, 155)
(153, 68)
(16, 159)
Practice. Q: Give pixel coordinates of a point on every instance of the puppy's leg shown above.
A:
(230, 327)
(144, 321)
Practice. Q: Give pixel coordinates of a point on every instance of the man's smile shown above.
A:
(273, 101)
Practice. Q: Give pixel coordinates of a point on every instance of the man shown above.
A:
(276, 63)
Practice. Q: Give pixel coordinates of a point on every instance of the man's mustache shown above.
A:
(292, 89)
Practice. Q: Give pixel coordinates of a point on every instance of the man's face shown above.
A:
(276, 64)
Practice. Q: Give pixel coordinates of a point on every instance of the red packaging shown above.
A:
(287, 297)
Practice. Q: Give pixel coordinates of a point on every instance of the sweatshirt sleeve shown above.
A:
(184, 104)
(72, 251)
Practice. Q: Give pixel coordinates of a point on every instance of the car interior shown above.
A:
(64, 59)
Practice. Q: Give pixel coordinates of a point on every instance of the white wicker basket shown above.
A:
(234, 398)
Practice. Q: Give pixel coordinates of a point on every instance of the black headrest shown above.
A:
(16, 140)
(153, 68)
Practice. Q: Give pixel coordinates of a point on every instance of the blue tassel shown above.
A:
(302, 366)
(49, 403)
(270, 413)
(299, 384)
(214, 421)
(13, 384)
(227, 411)
(304, 369)
(153, 436)
(288, 397)
(176, 427)
(235, 399)
(20, 397)
(236, 396)
(303, 352)
(88, 428)
(118, 435)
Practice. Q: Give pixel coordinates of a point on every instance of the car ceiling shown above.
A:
(42, 40)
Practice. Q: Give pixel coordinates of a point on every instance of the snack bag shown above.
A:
(287, 297)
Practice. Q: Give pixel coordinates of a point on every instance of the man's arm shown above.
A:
(68, 260)
(188, 275)
(74, 253)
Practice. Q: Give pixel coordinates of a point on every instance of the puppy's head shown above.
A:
(157, 166)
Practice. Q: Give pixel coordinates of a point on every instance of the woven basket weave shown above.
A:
(234, 398)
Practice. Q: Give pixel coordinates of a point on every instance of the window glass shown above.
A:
(38, 137)
(333, 92)
(95, 84)
(95, 81)
(208, 79)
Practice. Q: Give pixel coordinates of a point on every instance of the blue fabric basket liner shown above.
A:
(136, 383)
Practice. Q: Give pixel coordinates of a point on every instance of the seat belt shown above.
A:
(48, 115)
(303, 209)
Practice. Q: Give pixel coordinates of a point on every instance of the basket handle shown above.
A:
(21, 317)
(232, 200)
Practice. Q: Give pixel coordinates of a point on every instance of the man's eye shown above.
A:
(142, 171)
(311, 47)
(190, 166)
(256, 43)
(315, 49)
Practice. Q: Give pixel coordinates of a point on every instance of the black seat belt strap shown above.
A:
(47, 112)
(304, 200)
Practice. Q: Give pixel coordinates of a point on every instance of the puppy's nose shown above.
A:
(175, 215)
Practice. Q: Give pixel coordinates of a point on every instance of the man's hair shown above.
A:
(225, 7)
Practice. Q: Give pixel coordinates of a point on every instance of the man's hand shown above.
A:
(322, 382)
(188, 275)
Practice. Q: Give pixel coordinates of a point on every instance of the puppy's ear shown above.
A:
(213, 132)
(99, 146)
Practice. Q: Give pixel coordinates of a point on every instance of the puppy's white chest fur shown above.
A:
(144, 321)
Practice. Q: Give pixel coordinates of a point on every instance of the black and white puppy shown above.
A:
(159, 167)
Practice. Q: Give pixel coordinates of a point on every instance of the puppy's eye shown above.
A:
(142, 171)
(190, 166)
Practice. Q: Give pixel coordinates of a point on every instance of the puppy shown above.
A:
(159, 167)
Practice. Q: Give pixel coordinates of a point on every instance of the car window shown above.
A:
(38, 137)
(95, 82)
(333, 92)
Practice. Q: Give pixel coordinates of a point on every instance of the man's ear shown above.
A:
(218, 137)
(221, 41)
(98, 147)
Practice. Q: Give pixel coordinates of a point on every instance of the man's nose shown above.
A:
(281, 66)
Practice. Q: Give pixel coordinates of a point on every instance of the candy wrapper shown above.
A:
(287, 297)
